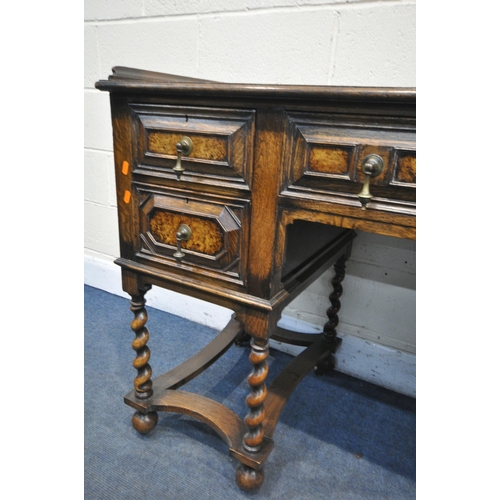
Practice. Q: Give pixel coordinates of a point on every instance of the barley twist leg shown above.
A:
(248, 478)
(330, 328)
(143, 385)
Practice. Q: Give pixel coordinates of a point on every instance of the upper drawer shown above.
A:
(222, 143)
(324, 155)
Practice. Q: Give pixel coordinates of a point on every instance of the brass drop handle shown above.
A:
(371, 166)
(184, 233)
(184, 148)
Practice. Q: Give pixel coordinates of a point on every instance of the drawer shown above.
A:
(222, 143)
(217, 233)
(324, 156)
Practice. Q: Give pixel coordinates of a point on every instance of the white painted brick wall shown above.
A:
(261, 41)
(98, 132)
(101, 229)
(376, 45)
(99, 182)
(268, 46)
(153, 44)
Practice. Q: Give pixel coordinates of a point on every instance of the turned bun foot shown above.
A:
(242, 339)
(326, 365)
(249, 479)
(144, 423)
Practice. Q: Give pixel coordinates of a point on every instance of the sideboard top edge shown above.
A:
(136, 81)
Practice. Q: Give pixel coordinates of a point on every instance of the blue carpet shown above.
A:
(338, 437)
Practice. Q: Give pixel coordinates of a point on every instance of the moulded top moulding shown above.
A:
(138, 80)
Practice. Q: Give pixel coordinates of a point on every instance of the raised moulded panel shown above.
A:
(222, 143)
(218, 230)
(405, 171)
(325, 153)
(207, 235)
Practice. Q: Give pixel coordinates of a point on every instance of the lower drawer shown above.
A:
(192, 235)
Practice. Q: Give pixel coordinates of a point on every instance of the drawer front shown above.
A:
(222, 142)
(218, 232)
(324, 156)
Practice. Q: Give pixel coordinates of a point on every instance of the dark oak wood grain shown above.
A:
(269, 197)
(123, 80)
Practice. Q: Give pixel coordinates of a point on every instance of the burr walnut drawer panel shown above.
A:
(325, 154)
(222, 141)
(217, 233)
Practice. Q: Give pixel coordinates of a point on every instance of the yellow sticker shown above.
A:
(125, 167)
(126, 196)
